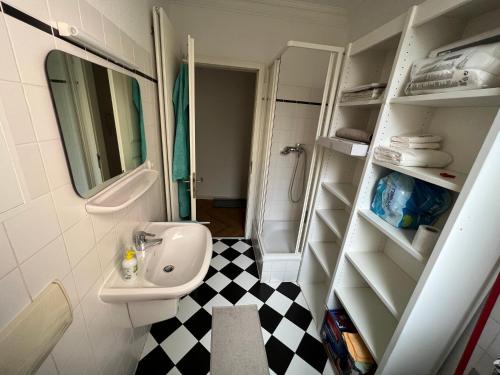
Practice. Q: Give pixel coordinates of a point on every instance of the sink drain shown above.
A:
(168, 268)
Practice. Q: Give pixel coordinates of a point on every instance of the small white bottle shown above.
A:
(129, 265)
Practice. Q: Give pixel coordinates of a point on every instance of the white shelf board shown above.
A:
(336, 220)
(402, 237)
(393, 286)
(326, 253)
(344, 146)
(468, 98)
(373, 321)
(343, 191)
(362, 103)
(123, 192)
(315, 296)
(431, 175)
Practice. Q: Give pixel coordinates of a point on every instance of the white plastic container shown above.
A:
(129, 265)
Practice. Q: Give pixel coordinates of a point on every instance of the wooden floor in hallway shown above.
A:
(224, 221)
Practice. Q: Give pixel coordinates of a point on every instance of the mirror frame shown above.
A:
(97, 189)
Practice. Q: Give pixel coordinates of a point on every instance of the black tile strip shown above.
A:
(36, 23)
(26, 18)
(297, 102)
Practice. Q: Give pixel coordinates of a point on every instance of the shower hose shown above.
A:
(294, 176)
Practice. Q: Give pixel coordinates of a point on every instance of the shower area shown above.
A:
(301, 89)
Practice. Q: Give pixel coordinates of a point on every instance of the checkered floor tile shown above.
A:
(182, 345)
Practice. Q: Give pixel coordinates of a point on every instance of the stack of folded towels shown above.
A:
(414, 150)
(370, 91)
(354, 134)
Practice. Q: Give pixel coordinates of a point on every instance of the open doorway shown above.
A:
(225, 105)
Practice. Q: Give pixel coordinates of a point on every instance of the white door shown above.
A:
(192, 128)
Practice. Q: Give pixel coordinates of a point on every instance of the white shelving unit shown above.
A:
(402, 237)
(432, 175)
(344, 192)
(362, 103)
(398, 299)
(388, 281)
(326, 253)
(472, 98)
(336, 220)
(370, 317)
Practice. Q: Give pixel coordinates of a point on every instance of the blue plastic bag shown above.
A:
(406, 202)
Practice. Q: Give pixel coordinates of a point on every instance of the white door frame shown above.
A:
(257, 129)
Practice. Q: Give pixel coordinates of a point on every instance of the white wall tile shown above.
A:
(79, 240)
(70, 207)
(99, 322)
(6, 255)
(490, 331)
(128, 47)
(494, 348)
(107, 249)
(69, 286)
(72, 353)
(33, 170)
(48, 367)
(86, 273)
(140, 58)
(8, 67)
(102, 224)
(91, 20)
(13, 295)
(30, 108)
(35, 8)
(485, 365)
(45, 266)
(33, 228)
(11, 192)
(92, 305)
(54, 161)
(71, 49)
(30, 56)
(64, 11)
(42, 112)
(495, 313)
(16, 111)
(112, 36)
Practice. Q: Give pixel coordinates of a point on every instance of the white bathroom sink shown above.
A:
(185, 252)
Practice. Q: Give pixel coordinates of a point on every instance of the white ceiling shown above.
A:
(347, 4)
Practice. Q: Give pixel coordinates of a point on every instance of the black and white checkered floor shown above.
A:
(182, 345)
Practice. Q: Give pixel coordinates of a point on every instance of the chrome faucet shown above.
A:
(141, 241)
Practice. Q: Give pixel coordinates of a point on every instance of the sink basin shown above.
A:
(167, 271)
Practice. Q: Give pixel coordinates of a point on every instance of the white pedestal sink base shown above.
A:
(148, 312)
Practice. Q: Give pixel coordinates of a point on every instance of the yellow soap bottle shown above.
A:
(129, 265)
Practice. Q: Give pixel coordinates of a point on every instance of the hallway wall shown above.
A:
(224, 119)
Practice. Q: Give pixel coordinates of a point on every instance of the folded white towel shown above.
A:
(430, 145)
(417, 138)
(413, 158)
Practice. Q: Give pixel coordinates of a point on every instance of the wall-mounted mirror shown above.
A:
(100, 118)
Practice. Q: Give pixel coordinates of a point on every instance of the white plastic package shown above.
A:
(467, 69)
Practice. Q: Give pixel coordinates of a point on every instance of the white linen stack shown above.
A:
(414, 150)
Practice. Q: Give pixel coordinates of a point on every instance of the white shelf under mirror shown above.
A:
(123, 192)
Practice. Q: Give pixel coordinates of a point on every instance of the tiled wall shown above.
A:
(293, 123)
(488, 346)
(45, 231)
